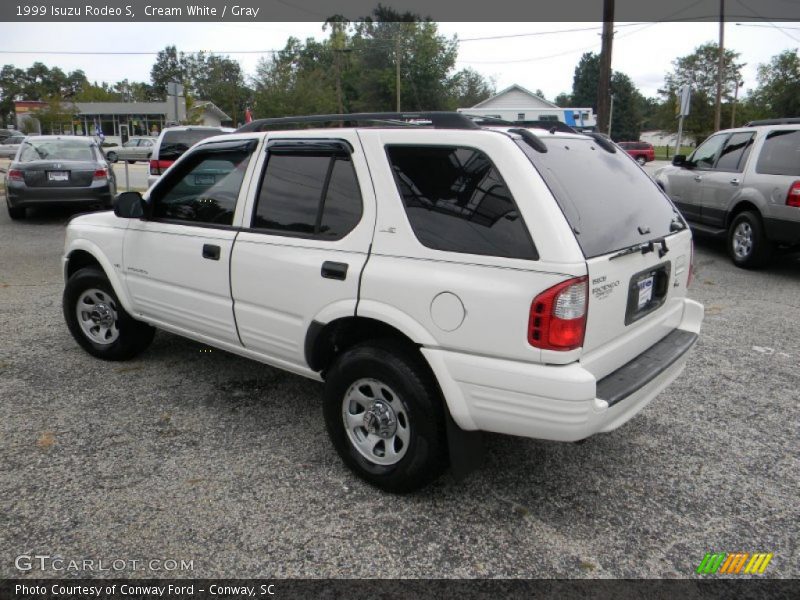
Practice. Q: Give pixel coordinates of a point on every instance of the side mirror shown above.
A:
(129, 205)
(679, 160)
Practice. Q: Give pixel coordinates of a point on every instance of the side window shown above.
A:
(735, 152)
(706, 154)
(206, 187)
(457, 201)
(780, 154)
(309, 195)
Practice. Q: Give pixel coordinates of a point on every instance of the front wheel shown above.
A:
(385, 416)
(97, 320)
(747, 243)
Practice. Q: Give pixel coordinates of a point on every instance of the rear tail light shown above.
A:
(154, 170)
(157, 167)
(557, 319)
(15, 175)
(793, 197)
(100, 174)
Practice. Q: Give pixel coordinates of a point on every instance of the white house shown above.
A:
(515, 103)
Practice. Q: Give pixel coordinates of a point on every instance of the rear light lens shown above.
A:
(793, 197)
(100, 174)
(557, 318)
(15, 175)
(157, 167)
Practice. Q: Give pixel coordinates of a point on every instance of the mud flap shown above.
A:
(466, 449)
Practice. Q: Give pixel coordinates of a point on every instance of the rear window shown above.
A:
(780, 154)
(609, 202)
(34, 150)
(175, 143)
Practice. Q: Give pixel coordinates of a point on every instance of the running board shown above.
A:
(707, 229)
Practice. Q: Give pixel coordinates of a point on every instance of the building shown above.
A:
(515, 103)
(141, 118)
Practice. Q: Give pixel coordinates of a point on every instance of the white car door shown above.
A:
(304, 242)
(176, 259)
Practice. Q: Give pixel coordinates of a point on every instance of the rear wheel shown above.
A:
(747, 243)
(16, 212)
(641, 160)
(97, 320)
(385, 416)
(112, 157)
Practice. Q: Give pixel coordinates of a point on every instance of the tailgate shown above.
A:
(635, 299)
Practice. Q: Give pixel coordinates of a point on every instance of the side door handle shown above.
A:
(698, 178)
(735, 181)
(211, 251)
(334, 270)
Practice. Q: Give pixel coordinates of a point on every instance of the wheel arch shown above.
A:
(83, 253)
(740, 207)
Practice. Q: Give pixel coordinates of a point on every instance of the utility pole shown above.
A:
(397, 68)
(720, 67)
(604, 83)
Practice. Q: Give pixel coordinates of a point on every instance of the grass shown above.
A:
(667, 152)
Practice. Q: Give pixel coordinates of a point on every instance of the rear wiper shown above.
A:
(644, 248)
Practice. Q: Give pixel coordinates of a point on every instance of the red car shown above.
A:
(641, 151)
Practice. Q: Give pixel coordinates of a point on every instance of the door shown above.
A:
(176, 260)
(304, 242)
(722, 184)
(686, 183)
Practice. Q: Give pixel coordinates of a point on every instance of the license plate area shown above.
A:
(647, 292)
(58, 176)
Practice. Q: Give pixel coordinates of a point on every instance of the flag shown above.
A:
(248, 116)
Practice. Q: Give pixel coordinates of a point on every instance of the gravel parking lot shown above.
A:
(198, 455)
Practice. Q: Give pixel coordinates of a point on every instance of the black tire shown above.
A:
(748, 246)
(130, 162)
(403, 370)
(112, 157)
(132, 336)
(642, 160)
(16, 212)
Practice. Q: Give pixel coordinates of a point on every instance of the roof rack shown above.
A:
(436, 119)
(782, 121)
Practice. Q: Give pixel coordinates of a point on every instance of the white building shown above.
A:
(515, 103)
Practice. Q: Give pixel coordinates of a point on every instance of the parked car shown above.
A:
(136, 148)
(6, 133)
(438, 279)
(641, 151)
(10, 145)
(173, 142)
(743, 184)
(56, 170)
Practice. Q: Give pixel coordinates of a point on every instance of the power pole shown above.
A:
(397, 69)
(604, 83)
(720, 67)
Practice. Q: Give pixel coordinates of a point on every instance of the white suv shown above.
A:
(437, 276)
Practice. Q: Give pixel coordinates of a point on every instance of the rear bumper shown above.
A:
(562, 403)
(22, 196)
(783, 231)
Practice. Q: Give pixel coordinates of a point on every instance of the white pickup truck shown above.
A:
(438, 277)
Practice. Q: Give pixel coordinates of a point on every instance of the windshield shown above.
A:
(55, 150)
(175, 143)
(608, 200)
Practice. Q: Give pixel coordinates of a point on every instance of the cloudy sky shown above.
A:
(545, 60)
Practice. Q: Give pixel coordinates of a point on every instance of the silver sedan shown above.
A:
(136, 148)
(10, 145)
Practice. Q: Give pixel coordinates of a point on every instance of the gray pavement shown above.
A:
(201, 456)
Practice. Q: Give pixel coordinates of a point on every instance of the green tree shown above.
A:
(564, 100)
(778, 89)
(627, 118)
(170, 66)
(585, 81)
(55, 115)
(468, 88)
(222, 82)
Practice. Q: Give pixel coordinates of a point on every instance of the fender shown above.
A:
(111, 271)
(397, 319)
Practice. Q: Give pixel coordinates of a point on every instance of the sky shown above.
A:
(545, 61)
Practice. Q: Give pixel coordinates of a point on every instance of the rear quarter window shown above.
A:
(780, 154)
(175, 143)
(609, 201)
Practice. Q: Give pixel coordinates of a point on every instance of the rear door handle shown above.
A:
(735, 181)
(211, 251)
(334, 270)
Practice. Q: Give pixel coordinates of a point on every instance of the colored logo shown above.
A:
(734, 563)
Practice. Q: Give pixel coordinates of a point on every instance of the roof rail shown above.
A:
(437, 119)
(782, 121)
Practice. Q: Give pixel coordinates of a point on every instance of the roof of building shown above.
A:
(517, 93)
(212, 108)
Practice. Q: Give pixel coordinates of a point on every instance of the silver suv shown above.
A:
(743, 184)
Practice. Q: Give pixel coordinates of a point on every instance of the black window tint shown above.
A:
(780, 154)
(735, 152)
(457, 201)
(175, 143)
(310, 195)
(205, 190)
(605, 197)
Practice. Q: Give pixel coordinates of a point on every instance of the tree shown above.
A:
(699, 70)
(468, 88)
(564, 100)
(586, 80)
(169, 66)
(37, 82)
(54, 115)
(626, 123)
(778, 89)
(221, 81)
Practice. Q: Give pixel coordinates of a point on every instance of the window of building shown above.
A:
(457, 201)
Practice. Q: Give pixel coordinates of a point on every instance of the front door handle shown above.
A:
(698, 178)
(211, 251)
(334, 270)
(735, 181)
